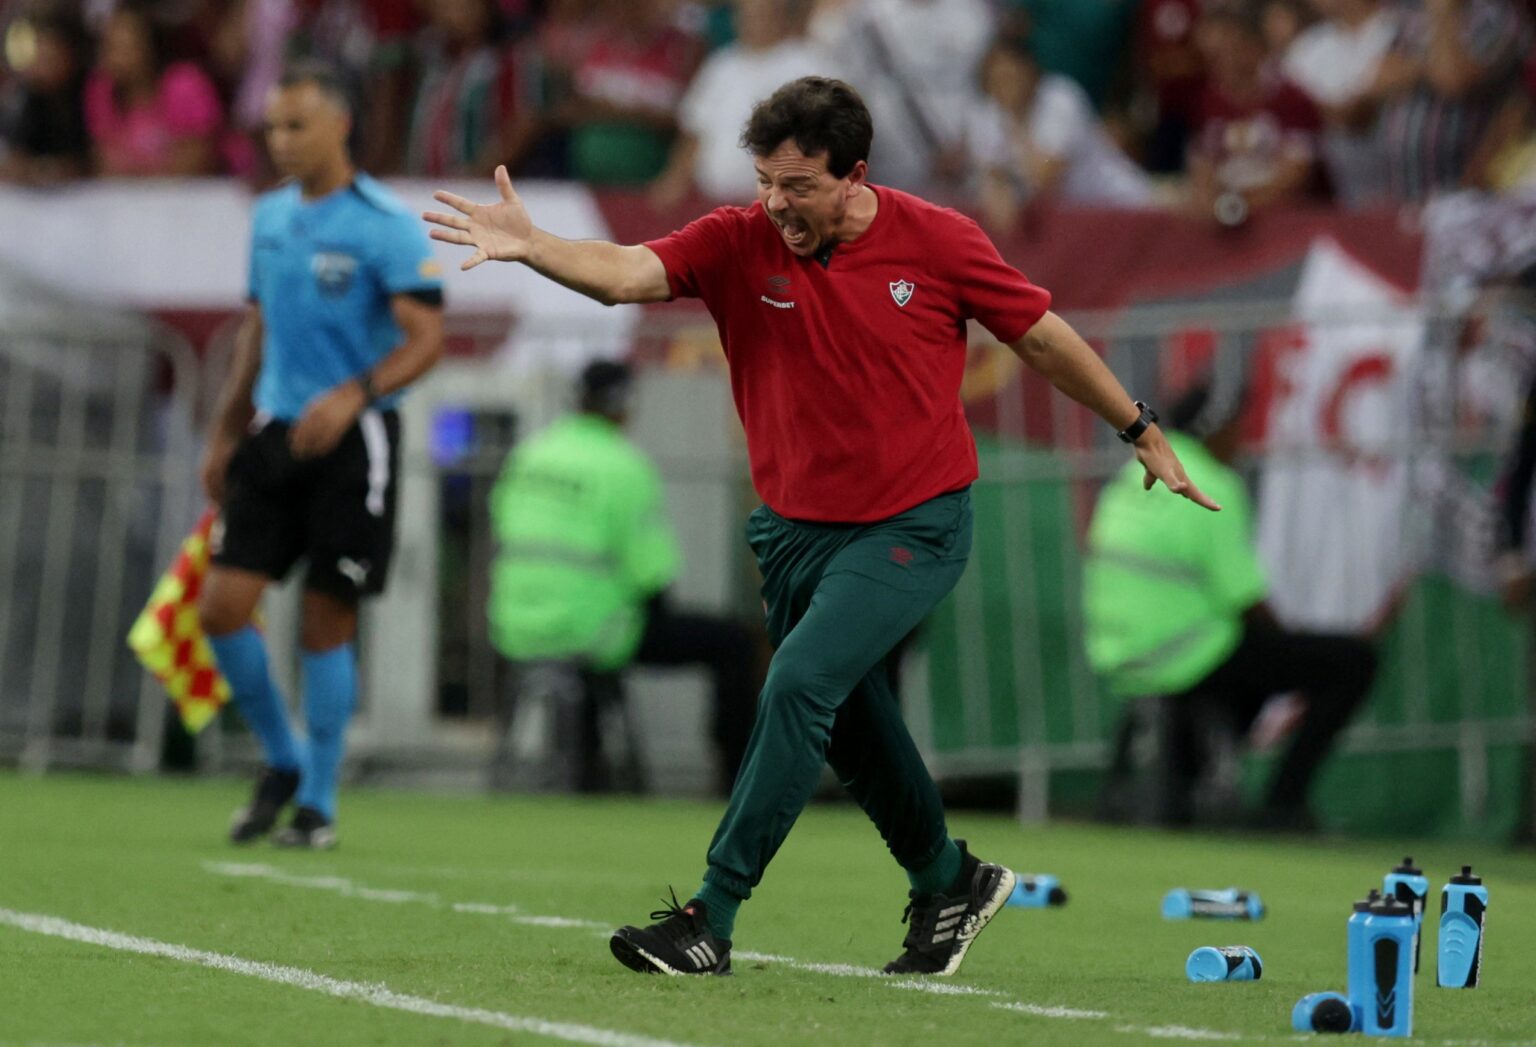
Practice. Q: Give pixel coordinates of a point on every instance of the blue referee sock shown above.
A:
(242, 658)
(330, 695)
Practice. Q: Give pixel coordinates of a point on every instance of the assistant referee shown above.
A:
(345, 311)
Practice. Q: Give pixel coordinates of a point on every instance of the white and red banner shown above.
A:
(1334, 490)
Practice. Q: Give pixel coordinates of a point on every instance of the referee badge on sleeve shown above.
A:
(901, 290)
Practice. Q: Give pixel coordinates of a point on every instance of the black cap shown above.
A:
(1466, 877)
(1408, 868)
(1371, 898)
(1390, 906)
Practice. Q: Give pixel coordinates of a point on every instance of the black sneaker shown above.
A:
(941, 927)
(680, 942)
(274, 789)
(309, 829)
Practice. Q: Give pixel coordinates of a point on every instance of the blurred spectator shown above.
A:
(1083, 39)
(623, 112)
(707, 154)
(474, 104)
(1036, 137)
(1256, 136)
(585, 556)
(1335, 62)
(1454, 62)
(1283, 22)
(43, 139)
(1506, 159)
(564, 33)
(370, 41)
(915, 64)
(1172, 78)
(148, 115)
(1175, 611)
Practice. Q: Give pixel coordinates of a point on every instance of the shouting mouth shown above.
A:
(794, 234)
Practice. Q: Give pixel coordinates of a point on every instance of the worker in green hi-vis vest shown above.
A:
(1174, 602)
(585, 556)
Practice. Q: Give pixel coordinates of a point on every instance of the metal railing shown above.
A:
(100, 421)
(97, 487)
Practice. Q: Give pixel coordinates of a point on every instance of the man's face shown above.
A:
(305, 130)
(803, 199)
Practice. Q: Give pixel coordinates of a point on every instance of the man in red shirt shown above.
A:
(842, 309)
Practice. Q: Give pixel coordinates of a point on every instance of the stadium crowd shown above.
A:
(1219, 106)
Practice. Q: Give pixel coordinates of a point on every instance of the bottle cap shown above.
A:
(1408, 868)
(1390, 906)
(1364, 904)
(1466, 877)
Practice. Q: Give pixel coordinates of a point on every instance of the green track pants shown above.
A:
(838, 598)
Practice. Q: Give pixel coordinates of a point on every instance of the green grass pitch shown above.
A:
(469, 920)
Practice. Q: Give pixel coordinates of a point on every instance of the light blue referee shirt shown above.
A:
(323, 272)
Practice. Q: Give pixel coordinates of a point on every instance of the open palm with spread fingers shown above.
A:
(500, 232)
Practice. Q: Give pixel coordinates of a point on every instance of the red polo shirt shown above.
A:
(847, 376)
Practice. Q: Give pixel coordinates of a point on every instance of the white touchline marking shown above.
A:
(1052, 1012)
(485, 909)
(943, 988)
(348, 889)
(1179, 1032)
(837, 970)
(376, 995)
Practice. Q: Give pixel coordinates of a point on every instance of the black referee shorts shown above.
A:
(336, 511)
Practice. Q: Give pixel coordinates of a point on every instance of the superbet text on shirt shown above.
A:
(846, 370)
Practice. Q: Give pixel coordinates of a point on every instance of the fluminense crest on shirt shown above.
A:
(901, 290)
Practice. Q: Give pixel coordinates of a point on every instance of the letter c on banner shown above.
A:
(1373, 369)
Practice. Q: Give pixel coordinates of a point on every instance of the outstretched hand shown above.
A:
(1157, 457)
(499, 232)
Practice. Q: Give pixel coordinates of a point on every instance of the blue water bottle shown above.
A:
(1230, 904)
(1324, 1012)
(1463, 904)
(1410, 886)
(1224, 963)
(1355, 941)
(1381, 967)
(1036, 891)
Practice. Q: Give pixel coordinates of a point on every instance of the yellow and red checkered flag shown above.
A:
(168, 641)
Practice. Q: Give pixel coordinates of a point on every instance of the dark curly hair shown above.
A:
(820, 114)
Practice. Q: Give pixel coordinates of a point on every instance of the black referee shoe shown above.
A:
(274, 789)
(680, 942)
(309, 829)
(941, 927)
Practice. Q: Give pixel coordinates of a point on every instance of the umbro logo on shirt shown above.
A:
(778, 283)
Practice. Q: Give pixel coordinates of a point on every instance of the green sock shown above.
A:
(938, 875)
(720, 909)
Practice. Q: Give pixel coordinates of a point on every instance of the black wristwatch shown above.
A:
(365, 382)
(1143, 422)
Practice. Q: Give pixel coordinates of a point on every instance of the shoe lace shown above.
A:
(919, 916)
(673, 920)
